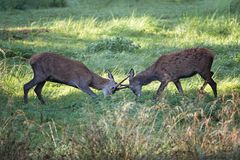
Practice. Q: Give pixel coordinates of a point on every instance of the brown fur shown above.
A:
(174, 66)
(56, 68)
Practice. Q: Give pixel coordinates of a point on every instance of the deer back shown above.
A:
(57, 67)
(184, 64)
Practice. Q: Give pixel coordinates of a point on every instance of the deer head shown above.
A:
(111, 86)
(134, 83)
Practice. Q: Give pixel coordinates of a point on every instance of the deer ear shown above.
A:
(131, 73)
(110, 76)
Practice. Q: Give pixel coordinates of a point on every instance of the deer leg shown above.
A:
(161, 88)
(213, 85)
(203, 86)
(38, 91)
(208, 79)
(87, 90)
(27, 87)
(205, 83)
(179, 87)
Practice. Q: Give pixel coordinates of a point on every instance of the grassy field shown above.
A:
(72, 125)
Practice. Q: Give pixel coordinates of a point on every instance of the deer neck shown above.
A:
(98, 82)
(146, 76)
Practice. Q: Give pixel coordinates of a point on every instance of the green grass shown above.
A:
(72, 125)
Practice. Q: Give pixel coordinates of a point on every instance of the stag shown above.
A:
(56, 68)
(172, 67)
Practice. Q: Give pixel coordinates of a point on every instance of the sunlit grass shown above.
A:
(229, 85)
(146, 31)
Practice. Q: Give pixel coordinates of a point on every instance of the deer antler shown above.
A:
(120, 86)
(120, 83)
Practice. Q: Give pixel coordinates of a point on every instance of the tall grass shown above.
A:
(131, 131)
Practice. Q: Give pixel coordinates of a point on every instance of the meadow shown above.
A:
(117, 36)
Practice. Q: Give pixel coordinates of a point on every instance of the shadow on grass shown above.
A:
(19, 43)
(20, 34)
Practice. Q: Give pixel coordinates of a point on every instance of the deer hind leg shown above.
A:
(205, 84)
(179, 87)
(203, 87)
(38, 91)
(213, 85)
(28, 86)
(208, 80)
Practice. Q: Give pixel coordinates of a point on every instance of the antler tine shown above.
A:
(125, 85)
(120, 88)
(120, 83)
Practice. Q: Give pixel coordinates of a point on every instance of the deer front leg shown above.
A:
(84, 87)
(87, 90)
(160, 89)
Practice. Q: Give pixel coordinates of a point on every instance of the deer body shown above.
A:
(175, 66)
(56, 68)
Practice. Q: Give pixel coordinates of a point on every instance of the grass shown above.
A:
(74, 126)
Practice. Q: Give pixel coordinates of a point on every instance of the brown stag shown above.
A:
(56, 68)
(174, 66)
